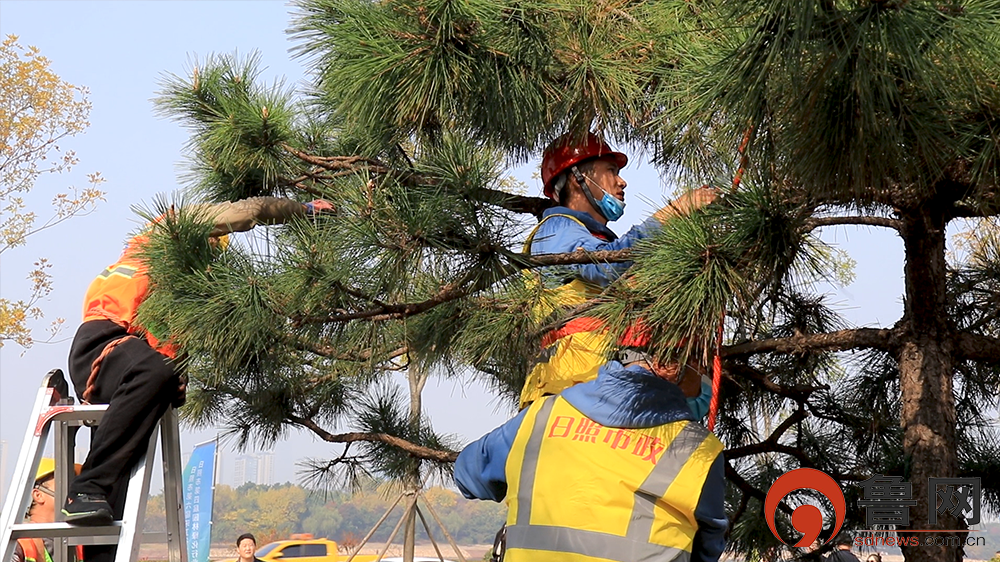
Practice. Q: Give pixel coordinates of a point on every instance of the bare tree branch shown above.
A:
(413, 449)
(818, 222)
(874, 338)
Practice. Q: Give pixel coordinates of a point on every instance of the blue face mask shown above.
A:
(699, 404)
(611, 207)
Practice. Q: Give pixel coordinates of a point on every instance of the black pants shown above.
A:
(138, 384)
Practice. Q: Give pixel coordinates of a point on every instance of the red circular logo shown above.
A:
(806, 519)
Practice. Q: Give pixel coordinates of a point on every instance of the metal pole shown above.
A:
(395, 530)
(451, 541)
(429, 534)
(376, 526)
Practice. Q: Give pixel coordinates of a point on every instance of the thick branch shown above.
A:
(974, 347)
(413, 449)
(514, 203)
(817, 222)
(577, 257)
(874, 338)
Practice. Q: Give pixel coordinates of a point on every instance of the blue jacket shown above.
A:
(619, 397)
(561, 235)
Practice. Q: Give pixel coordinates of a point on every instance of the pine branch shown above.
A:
(577, 257)
(771, 445)
(748, 488)
(346, 165)
(463, 287)
(872, 338)
(417, 451)
(515, 203)
(798, 392)
(332, 352)
(966, 210)
(977, 348)
(817, 222)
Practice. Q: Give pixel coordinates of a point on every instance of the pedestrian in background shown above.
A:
(246, 547)
(842, 549)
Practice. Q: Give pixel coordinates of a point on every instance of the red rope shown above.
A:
(713, 406)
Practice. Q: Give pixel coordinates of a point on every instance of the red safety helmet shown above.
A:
(638, 336)
(635, 336)
(567, 151)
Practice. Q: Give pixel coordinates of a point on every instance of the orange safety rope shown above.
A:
(713, 405)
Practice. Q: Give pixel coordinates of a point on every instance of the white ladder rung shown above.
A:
(39, 530)
(54, 410)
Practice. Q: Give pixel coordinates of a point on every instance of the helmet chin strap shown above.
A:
(582, 180)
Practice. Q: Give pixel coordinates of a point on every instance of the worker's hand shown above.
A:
(318, 206)
(687, 203)
(181, 397)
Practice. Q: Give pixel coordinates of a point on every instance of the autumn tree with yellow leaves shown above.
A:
(37, 111)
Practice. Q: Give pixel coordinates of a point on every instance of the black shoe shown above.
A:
(87, 509)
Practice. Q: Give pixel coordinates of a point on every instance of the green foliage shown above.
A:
(883, 108)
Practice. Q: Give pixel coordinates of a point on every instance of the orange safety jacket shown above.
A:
(119, 290)
(31, 551)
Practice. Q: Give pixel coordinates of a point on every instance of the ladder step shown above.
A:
(63, 529)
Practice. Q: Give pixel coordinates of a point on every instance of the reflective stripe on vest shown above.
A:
(691, 451)
(31, 553)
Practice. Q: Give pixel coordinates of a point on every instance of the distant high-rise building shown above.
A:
(245, 470)
(265, 468)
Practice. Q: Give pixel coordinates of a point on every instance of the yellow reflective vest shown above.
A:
(580, 491)
(574, 352)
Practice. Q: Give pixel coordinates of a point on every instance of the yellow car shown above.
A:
(305, 548)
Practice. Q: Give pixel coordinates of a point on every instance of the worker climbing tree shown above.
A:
(874, 112)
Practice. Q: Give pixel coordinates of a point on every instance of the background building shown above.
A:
(244, 470)
(265, 468)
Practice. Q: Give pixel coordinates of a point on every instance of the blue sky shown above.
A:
(120, 50)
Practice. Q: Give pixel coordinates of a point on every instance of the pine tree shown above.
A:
(853, 112)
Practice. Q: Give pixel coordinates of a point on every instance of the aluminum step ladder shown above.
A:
(55, 409)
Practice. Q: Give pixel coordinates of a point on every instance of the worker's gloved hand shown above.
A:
(687, 203)
(181, 397)
(318, 206)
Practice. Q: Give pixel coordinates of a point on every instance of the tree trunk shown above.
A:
(417, 379)
(926, 369)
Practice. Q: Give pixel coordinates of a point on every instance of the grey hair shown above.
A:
(562, 180)
(558, 185)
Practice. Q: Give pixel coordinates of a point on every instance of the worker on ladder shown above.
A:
(114, 360)
(41, 510)
(582, 176)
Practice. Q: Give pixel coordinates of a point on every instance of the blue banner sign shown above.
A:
(199, 479)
